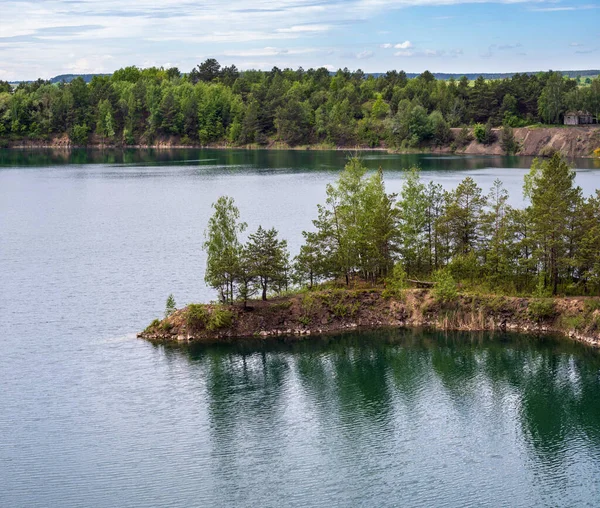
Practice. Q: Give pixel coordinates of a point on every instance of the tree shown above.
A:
(223, 248)
(170, 306)
(268, 258)
(463, 215)
(553, 195)
(413, 219)
(551, 102)
(105, 123)
(509, 144)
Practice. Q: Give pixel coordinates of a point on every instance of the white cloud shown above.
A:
(364, 54)
(404, 45)
(404, 53)
(386, 45)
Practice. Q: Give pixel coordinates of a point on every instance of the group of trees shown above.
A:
(552, 245)
(239, 270)
(212, 104)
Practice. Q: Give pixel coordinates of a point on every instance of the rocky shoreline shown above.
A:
(572, 141)
(337, 310)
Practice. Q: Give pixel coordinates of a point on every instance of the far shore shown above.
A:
(571, 141)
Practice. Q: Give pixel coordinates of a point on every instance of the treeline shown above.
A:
(214, 104)
(425, 233)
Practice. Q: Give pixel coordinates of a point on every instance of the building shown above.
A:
(578, 118)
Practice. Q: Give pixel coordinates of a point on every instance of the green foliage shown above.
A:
(444, 289)
(590, 305)
(304, 320)
(541, 309)
(507, 140)
(219, 318)
(268, 259)
(214, 104)
(223, 248)
(80, 134)
(397, 283)
(153, 326)
(170, 306)
(479, 133)
(197, 316)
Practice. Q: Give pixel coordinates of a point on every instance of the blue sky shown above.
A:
(50, 37)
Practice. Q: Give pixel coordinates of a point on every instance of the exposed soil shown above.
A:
(572, 141)
(328, 311)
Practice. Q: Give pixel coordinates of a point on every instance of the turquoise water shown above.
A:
(90, 248)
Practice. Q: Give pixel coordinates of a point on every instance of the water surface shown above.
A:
(91, 244)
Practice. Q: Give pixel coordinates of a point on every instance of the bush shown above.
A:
(479, 132)
(79, 134)
(397, 283)
(464, 137)
(541, 309)
(444, 289)
(220, 318)
(591, 305)
(197, 316)
(153, 325)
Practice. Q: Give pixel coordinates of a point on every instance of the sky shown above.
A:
(41, 39)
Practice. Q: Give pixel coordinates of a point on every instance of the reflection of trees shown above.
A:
(355, 379)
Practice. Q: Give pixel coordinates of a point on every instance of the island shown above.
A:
(428, 257)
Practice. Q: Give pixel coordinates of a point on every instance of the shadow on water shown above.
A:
(262, 160)
(358, 376)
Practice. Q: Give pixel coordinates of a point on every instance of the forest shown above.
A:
(221, 105)
(425, 233)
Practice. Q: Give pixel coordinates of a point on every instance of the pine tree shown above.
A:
(550, 187)
(268, 258)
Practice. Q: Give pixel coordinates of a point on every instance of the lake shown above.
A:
(91, 244)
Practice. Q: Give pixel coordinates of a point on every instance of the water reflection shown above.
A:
(261, 160)
(377, 378)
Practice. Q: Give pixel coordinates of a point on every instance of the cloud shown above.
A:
(575, 44)
(404, 53)
(564, 8)
(404, 45)
(364, 55)
(386, 45)
(504, 47)
(305, 29)
(586, 51)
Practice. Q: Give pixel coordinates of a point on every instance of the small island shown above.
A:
(428, 257)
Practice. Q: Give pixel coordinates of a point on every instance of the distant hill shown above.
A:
(67, 78)
(495, 75)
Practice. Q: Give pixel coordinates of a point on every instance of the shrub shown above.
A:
(152, 325)
(444, 289)
(220, 318)
(479, 132)
(591, 305)
(197, 316)
(304, 320)
(541, 309)
(79, 134)
(396, 283)
(464, 137)
(340, 310)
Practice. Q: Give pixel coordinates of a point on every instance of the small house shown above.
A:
(578, 118)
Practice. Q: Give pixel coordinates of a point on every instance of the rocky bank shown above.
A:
(336, 310)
